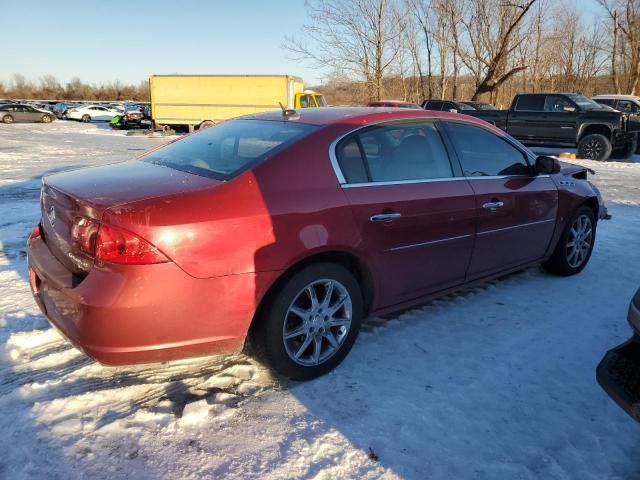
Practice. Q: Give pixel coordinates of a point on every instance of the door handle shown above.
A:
(493, 205)
(384, 217)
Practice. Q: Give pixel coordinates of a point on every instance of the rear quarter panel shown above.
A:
(266, 219)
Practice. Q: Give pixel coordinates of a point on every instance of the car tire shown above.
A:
(572, 253)
(594, 147)
(86, 118)
(315, 339)
(7, 119)
(627, 150)
(206, 124)
(46, 118)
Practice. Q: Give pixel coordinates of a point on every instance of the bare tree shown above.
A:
(422, 14)
(625, 15)
(358, 37)
(493, 31)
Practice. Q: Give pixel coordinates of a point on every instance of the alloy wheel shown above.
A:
(593, 149)
(317, 322)
(579, 241)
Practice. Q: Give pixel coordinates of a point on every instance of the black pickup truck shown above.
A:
(566, 120)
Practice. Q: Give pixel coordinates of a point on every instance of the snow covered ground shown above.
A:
(495, 382)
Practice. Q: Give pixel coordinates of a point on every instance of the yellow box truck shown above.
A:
(202, 100)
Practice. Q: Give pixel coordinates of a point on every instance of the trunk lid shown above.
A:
(68, 197)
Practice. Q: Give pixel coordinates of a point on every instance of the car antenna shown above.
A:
(286, 113)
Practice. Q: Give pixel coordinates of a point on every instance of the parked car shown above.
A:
(447, 106)
(60, 109)
(629, 104)
(619, 371)
(15, 112)
(624, 103)
(227, 234)
(565, 120)
(393, 103)
(90, 113)
(479, 105)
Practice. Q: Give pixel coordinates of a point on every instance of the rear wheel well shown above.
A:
(344, 259)
(599, 129)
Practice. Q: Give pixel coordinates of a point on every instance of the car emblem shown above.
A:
(51, 215)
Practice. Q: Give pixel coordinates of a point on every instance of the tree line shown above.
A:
(469, 49)
(48, 87)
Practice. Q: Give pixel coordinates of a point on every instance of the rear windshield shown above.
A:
(224, 151)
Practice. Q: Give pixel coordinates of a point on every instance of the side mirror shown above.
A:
(547, 165)
(453, 110)
(569, 109)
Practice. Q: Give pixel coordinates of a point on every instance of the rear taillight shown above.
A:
(116, 245)
(35, 233)
(84, 233)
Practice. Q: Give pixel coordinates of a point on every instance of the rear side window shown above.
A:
(225, 150)
(433, 105)
(483, 153)
(392, 153)
(530, 103)
(605, 101)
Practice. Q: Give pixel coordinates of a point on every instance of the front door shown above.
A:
(415, 216)
(560, 119)
(516, 209)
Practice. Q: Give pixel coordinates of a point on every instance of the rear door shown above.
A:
(30, 114)
(525, 120)
(516, 209)
(414, 211)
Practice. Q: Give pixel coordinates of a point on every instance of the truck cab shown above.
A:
(309, 99)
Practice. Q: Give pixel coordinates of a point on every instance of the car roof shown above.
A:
(362, 115)
(617, 97)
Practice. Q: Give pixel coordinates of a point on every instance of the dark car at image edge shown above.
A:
(619, 371)
(288, 229)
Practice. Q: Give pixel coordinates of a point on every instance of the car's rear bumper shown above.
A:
(125, 314)
(619, 371)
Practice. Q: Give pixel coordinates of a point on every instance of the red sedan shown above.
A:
(292, 228)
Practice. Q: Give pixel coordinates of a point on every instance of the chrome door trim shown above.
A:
(512, 227)
(343, 181)
(401, 182)
(432, 242)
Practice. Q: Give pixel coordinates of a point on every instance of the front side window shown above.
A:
(307, 101)
(392, 153)
(556, 103)
(627, 106)
(483, 153)
(224, 150)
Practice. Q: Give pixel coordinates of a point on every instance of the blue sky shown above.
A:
(129, 40)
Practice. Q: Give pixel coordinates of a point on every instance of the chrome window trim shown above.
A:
(432, 242)
(343, 181)
(512, 227)
(433, 180)
(336, 166)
